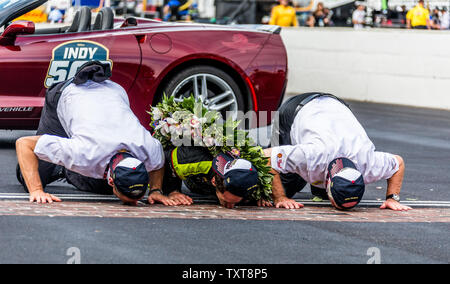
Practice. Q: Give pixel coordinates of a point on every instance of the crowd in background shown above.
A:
(291, 13)
(308, 13)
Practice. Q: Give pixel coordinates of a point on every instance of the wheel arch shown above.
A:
(232, 69)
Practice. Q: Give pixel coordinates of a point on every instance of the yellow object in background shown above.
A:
(37, 16)
(418, 16)
(284, 16)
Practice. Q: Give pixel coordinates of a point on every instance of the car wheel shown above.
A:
(216, 89)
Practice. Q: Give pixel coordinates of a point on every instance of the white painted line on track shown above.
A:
(99, 198)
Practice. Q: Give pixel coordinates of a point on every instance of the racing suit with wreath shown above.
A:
(190, 164)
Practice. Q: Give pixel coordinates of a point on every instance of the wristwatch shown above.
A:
(396, 197)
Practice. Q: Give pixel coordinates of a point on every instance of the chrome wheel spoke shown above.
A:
(221, 106)
(204, 95)
(219, 97)
(196, 94)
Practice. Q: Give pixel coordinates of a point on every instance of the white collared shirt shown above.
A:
(323, 130)
(98, 119)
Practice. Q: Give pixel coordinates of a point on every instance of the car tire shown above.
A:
(218, 82)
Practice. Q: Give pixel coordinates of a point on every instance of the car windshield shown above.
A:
(7, 3)
(11, 9)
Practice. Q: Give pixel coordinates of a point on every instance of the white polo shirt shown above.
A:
(98, 119)
(323, 130)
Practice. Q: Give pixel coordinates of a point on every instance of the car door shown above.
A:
(36, 62)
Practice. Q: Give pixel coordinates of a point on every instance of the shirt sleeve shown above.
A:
(55, 150)
(288, 159)
(381, 166)
(409, 15)
(155, 155)
(273, 17)
(295, 20)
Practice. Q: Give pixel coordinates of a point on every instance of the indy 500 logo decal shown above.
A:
(70, 56)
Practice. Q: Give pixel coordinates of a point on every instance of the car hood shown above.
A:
(12, 9)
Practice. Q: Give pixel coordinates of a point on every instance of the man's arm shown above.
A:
(429, 24)
(175, 198)
(394, 186)
(169, 185)
(408, 19)
(29, 164)
(156, 183)
(278, 194)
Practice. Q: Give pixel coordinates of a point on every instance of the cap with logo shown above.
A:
(129, 174)
(241, 177)
(345, 184)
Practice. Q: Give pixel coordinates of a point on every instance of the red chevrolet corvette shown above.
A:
(230, 68)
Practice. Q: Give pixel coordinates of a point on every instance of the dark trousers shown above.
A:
(48, 172)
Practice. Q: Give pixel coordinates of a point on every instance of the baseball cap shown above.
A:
(241, 177)
(345, 184)
(129, 175)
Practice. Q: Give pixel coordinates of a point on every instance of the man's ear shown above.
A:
(213, 181)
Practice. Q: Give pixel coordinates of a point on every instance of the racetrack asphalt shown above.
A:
(420, 136)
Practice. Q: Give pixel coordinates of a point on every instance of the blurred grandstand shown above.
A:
(380, 13)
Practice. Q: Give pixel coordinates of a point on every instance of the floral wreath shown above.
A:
(189, 122)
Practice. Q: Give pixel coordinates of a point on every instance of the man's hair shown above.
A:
(220, 183)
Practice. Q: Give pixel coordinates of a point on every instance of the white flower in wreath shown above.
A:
(163, 128)
(195, 122)
(171, 121)
(196, 133)
(182, 115)
(209, 141)
(157, 114)
(176, 130)
(198, 141)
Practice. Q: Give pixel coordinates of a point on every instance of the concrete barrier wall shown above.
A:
(377, 65)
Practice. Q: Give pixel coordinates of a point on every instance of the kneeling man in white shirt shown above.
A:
(323, 144)
(89, 136)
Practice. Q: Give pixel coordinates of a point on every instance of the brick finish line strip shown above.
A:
(117, 210)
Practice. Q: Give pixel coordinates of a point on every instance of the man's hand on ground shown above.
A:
(42, 197)
(394, 205)
(264, 203)
(181, 198)
(284, 202)
(157, 197)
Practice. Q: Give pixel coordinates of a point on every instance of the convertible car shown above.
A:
(230, 68)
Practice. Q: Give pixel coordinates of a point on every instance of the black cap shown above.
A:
(241, 177)
(129, 175)
(345, 184)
